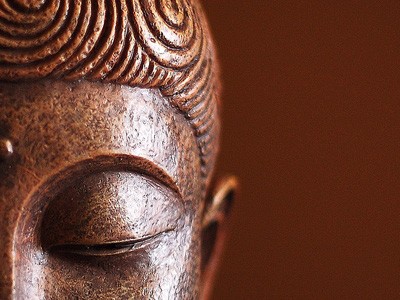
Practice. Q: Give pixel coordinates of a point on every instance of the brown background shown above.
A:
(312, 128)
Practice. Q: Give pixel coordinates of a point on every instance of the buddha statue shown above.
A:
(109, 131)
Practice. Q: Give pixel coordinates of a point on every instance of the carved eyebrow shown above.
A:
(132, 163)
(111, 162)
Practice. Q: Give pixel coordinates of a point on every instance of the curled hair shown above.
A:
(161, 44)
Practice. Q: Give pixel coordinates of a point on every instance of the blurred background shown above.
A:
(312, 129)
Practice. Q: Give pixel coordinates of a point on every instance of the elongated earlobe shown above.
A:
(216, 215)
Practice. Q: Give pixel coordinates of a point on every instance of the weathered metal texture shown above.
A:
(109, 132)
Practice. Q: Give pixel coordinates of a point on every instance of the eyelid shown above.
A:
(108, 249)
(109, 208)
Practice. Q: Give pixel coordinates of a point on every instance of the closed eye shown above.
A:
(107, 249)
(109, 213)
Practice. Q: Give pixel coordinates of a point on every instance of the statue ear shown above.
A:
(216, 215)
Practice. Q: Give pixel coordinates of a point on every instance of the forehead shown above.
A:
(55, 125)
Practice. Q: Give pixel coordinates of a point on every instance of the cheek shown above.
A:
(166, 269)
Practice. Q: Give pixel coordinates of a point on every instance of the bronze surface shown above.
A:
(109, 130)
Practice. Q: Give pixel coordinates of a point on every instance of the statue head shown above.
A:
(109, 130)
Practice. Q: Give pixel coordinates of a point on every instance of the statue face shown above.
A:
(108, 138)
(101, 194)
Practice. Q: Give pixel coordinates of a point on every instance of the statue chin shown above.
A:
(109, 133)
